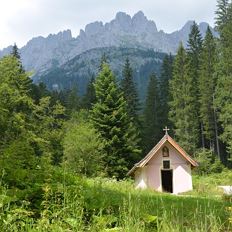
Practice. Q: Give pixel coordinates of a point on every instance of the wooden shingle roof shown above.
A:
(152, 153)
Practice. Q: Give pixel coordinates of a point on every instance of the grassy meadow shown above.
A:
(100, 204)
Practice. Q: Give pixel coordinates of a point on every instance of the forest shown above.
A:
(64, 158)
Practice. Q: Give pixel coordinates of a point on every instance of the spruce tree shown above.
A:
(165, 77)
(152, 128)
(225, 43)
(130, 92)
(111, 121)
(194, 48)
(182, 112)
(223, 97)
(207, 85)
(102, 61)
(15, 52)
(72, 101)
(221, 13)
(90, 97)
(223, 103)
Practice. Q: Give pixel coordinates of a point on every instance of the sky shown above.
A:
(21, 20)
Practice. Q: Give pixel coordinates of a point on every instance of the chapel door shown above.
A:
(166, 179)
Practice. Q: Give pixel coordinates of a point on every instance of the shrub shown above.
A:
(208, 162)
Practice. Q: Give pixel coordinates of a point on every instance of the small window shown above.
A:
(166, 164)
(165, 152)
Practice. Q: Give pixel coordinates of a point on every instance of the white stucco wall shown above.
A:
(141, 178)
(150, 176)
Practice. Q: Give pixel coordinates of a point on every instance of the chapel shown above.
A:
(166, 168)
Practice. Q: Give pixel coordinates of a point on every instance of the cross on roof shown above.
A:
(166, 130)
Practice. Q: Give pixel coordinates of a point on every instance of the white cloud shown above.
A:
(20, 20)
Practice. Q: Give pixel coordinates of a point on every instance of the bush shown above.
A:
(83, 149)
(208, 162)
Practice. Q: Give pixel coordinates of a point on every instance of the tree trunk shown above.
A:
(202, 136)
(216, 131)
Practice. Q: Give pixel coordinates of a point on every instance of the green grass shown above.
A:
(80, 204)
(208, 185)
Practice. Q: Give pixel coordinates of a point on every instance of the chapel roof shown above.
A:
(154, 151)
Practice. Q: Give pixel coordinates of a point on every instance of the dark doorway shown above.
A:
(166, 178)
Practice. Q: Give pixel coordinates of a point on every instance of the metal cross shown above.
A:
(166, 130)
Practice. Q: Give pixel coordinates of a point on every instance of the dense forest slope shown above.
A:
(80, 69)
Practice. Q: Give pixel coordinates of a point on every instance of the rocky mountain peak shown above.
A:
(142, 24)
(187, 26)
(42, 53)
(122, 17)
(139, 16)
(94, 28)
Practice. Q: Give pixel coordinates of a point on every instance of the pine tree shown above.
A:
(165, 77)
(15, 52)
(38, 91)
(194, 48)
(73, 101)
(207, 85)
(182, 109)
(152, 128)
(102, 61)
(223, 96)
(90, 97)
(225, 43)
(130, 92)
(223, 103)
(194, 44)
(111, 121)
(221, 13)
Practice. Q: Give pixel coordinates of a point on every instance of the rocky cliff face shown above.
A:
(41, 54)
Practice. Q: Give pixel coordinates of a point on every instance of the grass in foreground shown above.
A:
(99, 204)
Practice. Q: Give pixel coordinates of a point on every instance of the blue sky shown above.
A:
(20, 20)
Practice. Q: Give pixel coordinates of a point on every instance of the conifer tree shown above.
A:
(194, 48)
(182, 111)
(15, 52)
(102, 61)
(221, 13)
(152, 128)
(90, 97)
(225, 43)
(223, 99)
(165, 77)
(207, 85)
(111, 121)
(130, 92)
(16, 107)
(73, 101)
(223, 103)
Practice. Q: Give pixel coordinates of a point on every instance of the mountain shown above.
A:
(79, 70)
(41, 54)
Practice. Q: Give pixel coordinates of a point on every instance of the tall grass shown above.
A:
(107, 205)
